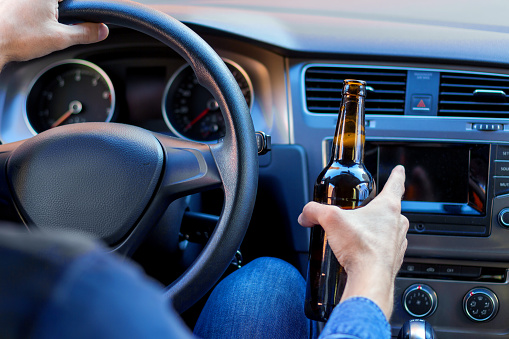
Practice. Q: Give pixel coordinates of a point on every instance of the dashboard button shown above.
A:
(503, 153)
(501, 186)
(430, 269)
(411, 268)
(450, 270)
(480, 304)
(420, 300)
(421, 103)
(502, 168)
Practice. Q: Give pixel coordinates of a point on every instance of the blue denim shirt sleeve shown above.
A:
(67, 287)
(357, 318)
(98, 296)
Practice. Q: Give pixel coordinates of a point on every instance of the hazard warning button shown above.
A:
(421, 103)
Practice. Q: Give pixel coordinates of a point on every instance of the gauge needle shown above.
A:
(195, 120)
(75, 107)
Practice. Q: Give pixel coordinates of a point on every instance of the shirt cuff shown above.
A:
(357, 317)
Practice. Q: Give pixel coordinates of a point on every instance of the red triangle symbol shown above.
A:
(421, 104)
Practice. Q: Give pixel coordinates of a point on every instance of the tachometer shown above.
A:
(68, 92)
(191, 112)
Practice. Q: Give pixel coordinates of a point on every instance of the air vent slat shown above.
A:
(476, 86)
(319, 109)
(473, 95)
(324, 99)
(348, 72)
(387, 101)
(318, 89)
(378, 110)
(472, 112)
(465, 77)
(474, 103)
(457, 94)
(371, 83)
(386, 93)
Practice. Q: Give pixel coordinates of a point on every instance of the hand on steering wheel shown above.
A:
(115, 181)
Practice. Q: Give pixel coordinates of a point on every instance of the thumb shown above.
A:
(318, 214)
(84, 33)
(394, 188)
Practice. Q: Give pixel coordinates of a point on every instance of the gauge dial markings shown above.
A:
(191, 112)
(80, 89)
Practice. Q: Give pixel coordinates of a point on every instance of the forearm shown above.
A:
(373, 283)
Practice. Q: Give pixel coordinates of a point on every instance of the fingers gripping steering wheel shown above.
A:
(115, 181)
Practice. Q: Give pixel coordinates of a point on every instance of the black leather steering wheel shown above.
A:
(115, 181)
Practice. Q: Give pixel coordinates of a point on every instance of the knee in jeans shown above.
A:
(273, 271)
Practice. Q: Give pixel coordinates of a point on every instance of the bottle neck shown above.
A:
(349, 138)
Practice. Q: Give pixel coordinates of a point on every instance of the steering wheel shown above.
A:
(115, 181)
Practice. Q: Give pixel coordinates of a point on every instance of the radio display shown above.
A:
(447, 179)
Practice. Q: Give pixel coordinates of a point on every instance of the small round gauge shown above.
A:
(191, 112)
(69, 92)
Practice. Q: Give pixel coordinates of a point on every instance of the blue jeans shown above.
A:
(264, 299)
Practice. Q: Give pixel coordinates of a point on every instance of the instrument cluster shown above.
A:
(75, 91)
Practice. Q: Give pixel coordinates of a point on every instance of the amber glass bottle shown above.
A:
(346, 183)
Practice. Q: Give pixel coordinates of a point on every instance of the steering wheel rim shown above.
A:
(235, 157)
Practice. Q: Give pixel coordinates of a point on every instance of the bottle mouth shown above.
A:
(354, 87)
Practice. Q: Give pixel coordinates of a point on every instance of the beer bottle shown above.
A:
(346, 183)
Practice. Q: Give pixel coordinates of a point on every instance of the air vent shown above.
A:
(473, 95)
(386, 89)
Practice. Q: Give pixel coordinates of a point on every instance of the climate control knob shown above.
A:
(420, 300)
(480, 304)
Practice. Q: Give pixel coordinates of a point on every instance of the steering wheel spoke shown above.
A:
(190, 168)
(5, 153)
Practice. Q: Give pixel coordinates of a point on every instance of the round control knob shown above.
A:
(480, 304)
(503, 218)
(420, 300)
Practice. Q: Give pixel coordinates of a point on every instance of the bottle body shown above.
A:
(345, 183)
(347, 187)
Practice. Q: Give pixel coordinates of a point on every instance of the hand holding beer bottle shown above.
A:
(369, 242)
(345, 183)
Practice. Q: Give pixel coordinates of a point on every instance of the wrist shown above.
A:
(375, 284)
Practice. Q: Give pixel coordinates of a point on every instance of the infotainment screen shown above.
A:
(440, 178)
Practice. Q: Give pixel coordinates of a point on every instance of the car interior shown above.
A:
(437, 81)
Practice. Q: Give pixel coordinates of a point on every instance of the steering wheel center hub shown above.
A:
(97, 177)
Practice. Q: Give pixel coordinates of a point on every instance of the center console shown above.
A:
(456, 198)
(457, 184)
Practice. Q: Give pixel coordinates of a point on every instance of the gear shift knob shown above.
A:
(416, 329)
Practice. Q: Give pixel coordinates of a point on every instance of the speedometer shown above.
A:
(68, 92)
(191, 112)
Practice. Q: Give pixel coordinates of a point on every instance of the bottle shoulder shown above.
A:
(336, 168)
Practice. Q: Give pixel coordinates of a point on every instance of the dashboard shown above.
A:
(143, 84)
(437, 102)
